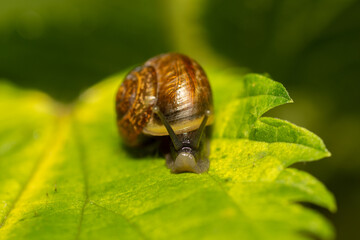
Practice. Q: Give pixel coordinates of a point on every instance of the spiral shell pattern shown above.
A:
(134, 101)
(176, 84)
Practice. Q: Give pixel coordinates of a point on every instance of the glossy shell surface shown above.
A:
(175, 83)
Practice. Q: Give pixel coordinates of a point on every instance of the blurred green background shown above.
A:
(311, 46)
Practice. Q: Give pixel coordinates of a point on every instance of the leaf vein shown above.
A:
(133, 225)
(85, 177)
(51, 149)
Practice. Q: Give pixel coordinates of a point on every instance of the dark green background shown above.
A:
(311, 46)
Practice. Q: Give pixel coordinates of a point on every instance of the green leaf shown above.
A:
(64, 174)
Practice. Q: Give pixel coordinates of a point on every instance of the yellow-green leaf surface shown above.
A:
(65, 175)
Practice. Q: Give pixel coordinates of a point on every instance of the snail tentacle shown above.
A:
(197, 139)
(177, 144)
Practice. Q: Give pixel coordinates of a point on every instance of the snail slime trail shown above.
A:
(168, 97)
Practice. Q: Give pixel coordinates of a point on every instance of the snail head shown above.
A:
(186, 159)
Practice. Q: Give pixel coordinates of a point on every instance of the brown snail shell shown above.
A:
(176, 85)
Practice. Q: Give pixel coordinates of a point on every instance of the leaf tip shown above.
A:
(327, 153)
(285, 94)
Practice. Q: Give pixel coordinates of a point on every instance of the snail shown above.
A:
(169, 95)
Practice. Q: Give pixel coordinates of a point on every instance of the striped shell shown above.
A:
(176, 84)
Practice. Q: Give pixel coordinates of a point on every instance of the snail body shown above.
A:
(169, 95)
